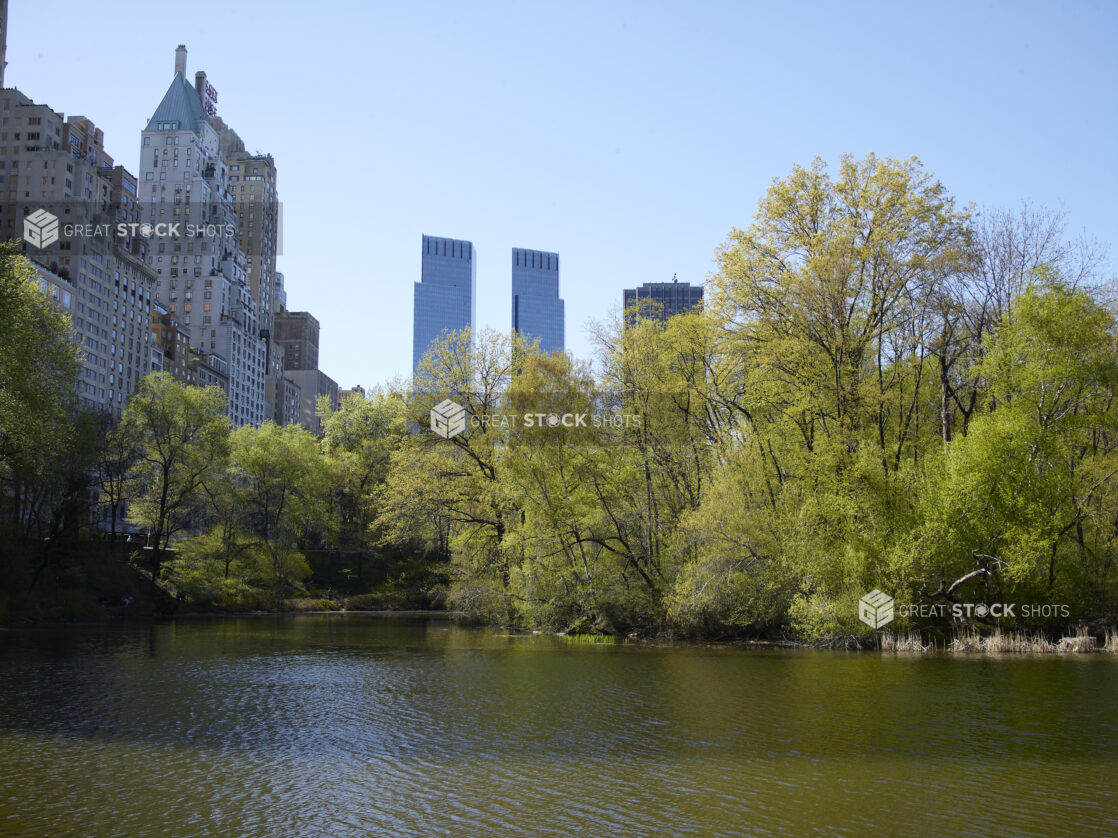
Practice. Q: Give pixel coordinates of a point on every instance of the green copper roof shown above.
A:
(182, 104)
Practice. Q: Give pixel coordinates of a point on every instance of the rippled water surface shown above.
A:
(358, 725)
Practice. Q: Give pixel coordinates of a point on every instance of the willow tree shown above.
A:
(557, 550)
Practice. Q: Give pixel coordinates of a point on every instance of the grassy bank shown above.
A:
(970, 641)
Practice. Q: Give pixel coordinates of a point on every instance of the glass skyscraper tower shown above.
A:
(537, 311)
(445, 296)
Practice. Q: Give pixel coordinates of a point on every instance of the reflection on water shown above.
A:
(351, 725)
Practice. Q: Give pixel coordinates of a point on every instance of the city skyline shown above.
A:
(172, 269)
(655, 133)
(810, 531)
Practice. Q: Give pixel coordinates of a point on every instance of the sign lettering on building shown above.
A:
(209, 100)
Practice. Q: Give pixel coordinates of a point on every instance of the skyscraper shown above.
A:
(445, 296)
(537, 310)
(661, 300)
(202, 268)
(252, 188)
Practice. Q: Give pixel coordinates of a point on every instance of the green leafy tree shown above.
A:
(216, 562)
(564, 564)
(182, 435)
(39, 363)
(825, 282)
(450, 487)
(55, 492)
(281, 481)
(828, 316)
(358, 441)
(1028, 497)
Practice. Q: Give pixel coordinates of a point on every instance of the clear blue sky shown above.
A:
(628, 136)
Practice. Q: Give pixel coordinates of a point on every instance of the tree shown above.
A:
(1009, 251)
(1029, 495)
(39, 363)
(281, 482)
(116, 456)
(450, 487)
(182, 435)
(54, 490)
(732, 577)
(358, 441)
(216, 561)
(824, 283)
(564, 558)
(827, 311)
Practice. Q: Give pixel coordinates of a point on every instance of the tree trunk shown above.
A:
(944, 400)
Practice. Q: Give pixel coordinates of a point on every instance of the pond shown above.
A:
(356, 725)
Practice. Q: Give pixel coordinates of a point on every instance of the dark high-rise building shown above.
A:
(445, 296)
(661, 300)
(297, 333)
(537, 310)
(302, 382)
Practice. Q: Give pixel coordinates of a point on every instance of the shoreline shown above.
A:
(429, 613)
(964, 641)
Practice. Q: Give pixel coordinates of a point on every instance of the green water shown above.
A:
(358, 725)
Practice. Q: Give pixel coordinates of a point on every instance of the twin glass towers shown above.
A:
(446, 295)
